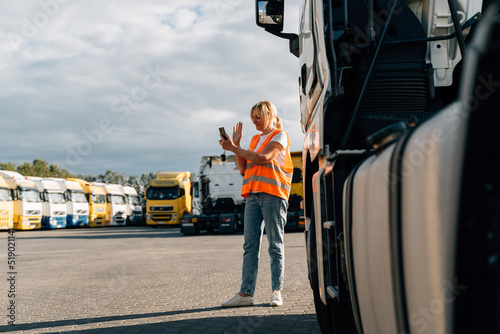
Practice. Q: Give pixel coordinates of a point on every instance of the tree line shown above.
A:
(41, 168)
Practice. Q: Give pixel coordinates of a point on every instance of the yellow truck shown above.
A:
(96, 197)
(295, 215)
(6, 206)
(27, 201)
(168, 198)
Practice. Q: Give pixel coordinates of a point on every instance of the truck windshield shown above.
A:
(99, 199)
(57, 198)
(77, 197)
(29, 195)
(163, 193)
(117, 199)
(5, 195)
(133, 200)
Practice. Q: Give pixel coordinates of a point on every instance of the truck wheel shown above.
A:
(322, 313)
(235, 224)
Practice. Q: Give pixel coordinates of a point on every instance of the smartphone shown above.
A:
(223, 133)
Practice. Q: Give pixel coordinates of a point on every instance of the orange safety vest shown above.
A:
(271, 178)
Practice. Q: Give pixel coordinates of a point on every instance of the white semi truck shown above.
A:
(218, 192)
(134, 207)
(116, 205)
(400, 109)
(54, 202)
(77, 206)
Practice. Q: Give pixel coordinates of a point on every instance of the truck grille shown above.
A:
(119, 219)
(161, 217)
(162, 208)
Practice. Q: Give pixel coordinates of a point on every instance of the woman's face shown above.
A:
(258, 122)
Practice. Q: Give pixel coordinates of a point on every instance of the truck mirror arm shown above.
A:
(293, 40)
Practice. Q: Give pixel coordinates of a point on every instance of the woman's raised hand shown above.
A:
(237, 130)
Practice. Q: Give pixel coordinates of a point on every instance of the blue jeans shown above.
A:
(263, 209)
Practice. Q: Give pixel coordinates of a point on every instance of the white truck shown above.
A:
(218, 190)
(399, 105)
(77, 206)
(134, 207)
(116, 205)
(54, 209)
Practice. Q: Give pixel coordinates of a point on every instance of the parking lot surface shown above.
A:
(145, 280)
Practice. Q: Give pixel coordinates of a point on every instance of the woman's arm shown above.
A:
(268, 154)
(241, 164)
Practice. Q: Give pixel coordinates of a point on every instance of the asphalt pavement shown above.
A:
(144, 280)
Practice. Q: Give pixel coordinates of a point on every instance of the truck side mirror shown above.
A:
(270, 15)
(182, 192)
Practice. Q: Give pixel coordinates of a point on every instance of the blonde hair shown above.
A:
(267, 111)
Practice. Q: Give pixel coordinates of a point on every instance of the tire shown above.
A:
(235, 224)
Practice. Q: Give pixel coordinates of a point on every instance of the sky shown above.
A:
(137, 86)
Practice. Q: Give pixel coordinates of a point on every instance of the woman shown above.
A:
(267, 168)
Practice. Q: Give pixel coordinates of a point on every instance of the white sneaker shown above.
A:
(238, 300)
(276, 298)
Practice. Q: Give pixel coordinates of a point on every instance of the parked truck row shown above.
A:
(209, 202)
(28, 203)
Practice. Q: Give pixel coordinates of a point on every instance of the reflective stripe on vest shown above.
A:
(271, 177)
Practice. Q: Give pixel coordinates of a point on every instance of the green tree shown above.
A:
(40, 168)
(88, 178)
(55, 171)
(145, 181)
(111, 177)
(7, 166)
(26, 169)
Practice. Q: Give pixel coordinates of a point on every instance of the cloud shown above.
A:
(136, 86)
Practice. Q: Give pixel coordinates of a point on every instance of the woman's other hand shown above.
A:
(237, 130)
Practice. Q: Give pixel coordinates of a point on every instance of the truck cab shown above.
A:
(77, 206)
(116, 204)
(54, 202)
(216, 198)
(168, 198)
(6, 206)
(27, 201)
(96, 198)
(134, 208)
